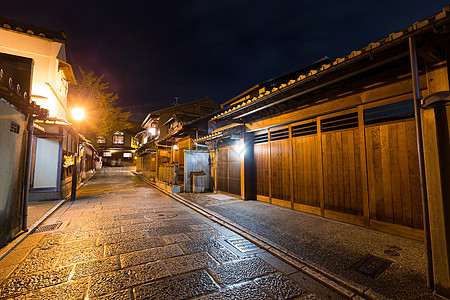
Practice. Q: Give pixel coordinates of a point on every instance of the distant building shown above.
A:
(165, 138)
(118, 149)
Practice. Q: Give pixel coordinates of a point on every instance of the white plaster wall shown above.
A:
(46, 166)
(10, 151)
(44, 53)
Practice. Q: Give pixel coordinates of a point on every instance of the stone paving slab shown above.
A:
(223, 255)
(248, 290)
(93, 267)
(188, 263)
(181, 287)
(242, 270)
(67, 290)
(17, 285)
(280, 286)
(152, 254)
(124, 278)
(200, 245)
(119, 295)
(77, 256)
(176, 238)
(134, 245)
(127, 246)
(35, 265)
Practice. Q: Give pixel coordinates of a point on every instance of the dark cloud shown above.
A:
(153, 51)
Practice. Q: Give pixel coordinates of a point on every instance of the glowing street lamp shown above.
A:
(77, 115)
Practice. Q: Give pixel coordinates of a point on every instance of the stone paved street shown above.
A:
(122, 239)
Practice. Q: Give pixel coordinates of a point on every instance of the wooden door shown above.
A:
(280, 168)
(222, 170)
(262, 170)
(229, 171)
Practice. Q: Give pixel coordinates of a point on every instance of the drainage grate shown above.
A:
(242, 245)
(372, 265)
(49, 227)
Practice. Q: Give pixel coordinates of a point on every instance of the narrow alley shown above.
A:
(123, 239)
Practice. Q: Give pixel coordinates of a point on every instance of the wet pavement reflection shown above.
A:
(123, 239)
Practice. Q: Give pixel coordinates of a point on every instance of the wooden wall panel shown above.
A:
(262, 169)
(280, 170)
(222, 170)
(392, 169)
(235, 172)
(342, 172)
(306, 174)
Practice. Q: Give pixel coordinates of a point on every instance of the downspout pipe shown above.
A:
(27, 172)
(423, 187)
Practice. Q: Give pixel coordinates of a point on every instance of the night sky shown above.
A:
(153, 51)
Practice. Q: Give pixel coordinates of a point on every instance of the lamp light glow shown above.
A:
(240, 148)
(78, 114)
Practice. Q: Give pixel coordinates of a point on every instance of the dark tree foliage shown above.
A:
(102, 116)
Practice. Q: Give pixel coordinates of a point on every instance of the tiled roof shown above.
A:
(372, 47)
(209, 137)
(182, 118)
(11, 92)
(32, 30)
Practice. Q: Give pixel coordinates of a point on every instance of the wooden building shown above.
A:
(167, 133)
(337, 138)
(117, 149)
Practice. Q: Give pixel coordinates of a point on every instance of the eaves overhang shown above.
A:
(429, 24)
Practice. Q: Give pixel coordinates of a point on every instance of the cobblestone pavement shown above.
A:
(331, 246)
(122, 239)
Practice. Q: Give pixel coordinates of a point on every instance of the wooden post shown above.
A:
(291, 167)
(242, 167)
(248, 178)
(270, 165)
(216, 158)
(436, 138)
(363, 156)
(157, 163)
(320, 161)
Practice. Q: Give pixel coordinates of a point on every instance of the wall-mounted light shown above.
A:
(175, 147)
(240, 148)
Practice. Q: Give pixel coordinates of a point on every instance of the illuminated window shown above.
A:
(118, 138)
(107, 154)
(152, 131)
(101, 140)
(127, 154)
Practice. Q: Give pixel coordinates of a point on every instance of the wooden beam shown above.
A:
(429, 54)
(363, 157)
(270, 165)
(291, 167)
(320, 167)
